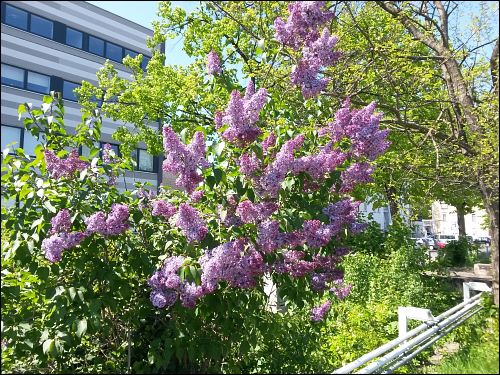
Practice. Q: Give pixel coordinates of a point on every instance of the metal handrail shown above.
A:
(415, 341)
(384, 348)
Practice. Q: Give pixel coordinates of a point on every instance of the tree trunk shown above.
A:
(390, 193)
(490, 199)
(461, 220)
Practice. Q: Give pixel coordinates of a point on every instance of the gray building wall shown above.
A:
(24, 49)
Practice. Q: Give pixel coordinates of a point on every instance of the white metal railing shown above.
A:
(411, 343)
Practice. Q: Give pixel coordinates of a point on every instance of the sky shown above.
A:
(143, 13)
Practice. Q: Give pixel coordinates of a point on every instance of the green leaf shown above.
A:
(49, 207)
(81, 328)
(49, 347)
(72, 293)
(20, 110)
(219, 148)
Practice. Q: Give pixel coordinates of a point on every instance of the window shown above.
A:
(145, 61)
(96, 45)
(10, 135)
(16, 17)
(38, 82)
(145, 161)
(41, 26)
(31, 142)
(113, 52)
(68, 88)
(12, 76)
(130, 53)
(74, 38)
(444, 217)
(473, 218)
(114, 147)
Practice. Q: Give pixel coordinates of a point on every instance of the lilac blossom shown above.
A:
(54, 245)
(274, 174)
(196, 196)
(318, 313)
(190, 222)
(241, 115)
(249, 212)
(106, 156)
(64, 167)
(213, 63)
(116, 222)
(341, 290)
(163, 208)
(163, 298)
(361, 127)
(183, 160)
(236, 262)
(61, 222)
(268, 142)
(355, 174)
(249, 164)
(303, 21)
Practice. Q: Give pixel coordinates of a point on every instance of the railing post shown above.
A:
(474, 285)
(416, 313)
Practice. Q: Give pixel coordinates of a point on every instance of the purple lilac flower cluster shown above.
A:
(168, 287)
(318, 313)
(111, 225)
(233, 263)
(163, 208)
(213, 63)
(301, 29)
(249, 212)
(106, 154)
(196, 196)
(184, 161)
(236, 262)
(249, 164)
(166, 282)
(268, 142)
(320, 164)
(362, 128)
(64, 167)
(356, 173)
(341, 290)
(241, 115)
(61, 222)
(305, 17)
(229, 217)
(190, 222)
(274, 174)
(61, 239)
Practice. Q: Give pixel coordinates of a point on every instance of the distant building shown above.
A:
(444, 221)
(54, 45)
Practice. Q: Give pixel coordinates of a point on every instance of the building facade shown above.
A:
(445, 221)
(54, 45)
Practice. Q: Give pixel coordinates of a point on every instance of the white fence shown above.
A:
(409, 344)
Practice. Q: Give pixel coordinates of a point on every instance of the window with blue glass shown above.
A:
(38, 82)
(114, 52)
(74, 38)
(12, 76)
(11, 138)
(145, 61)
(16, 17)
(96, 45)
(68, 92)
(41, 26)
(145, 161)
(130, 53)
(30, 142)
(114, 147)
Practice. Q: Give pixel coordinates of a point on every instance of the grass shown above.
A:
(481, 358)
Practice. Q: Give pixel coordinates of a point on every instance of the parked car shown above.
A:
(440, 244)
(446, 238)
(486, 240)
(431, 244)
